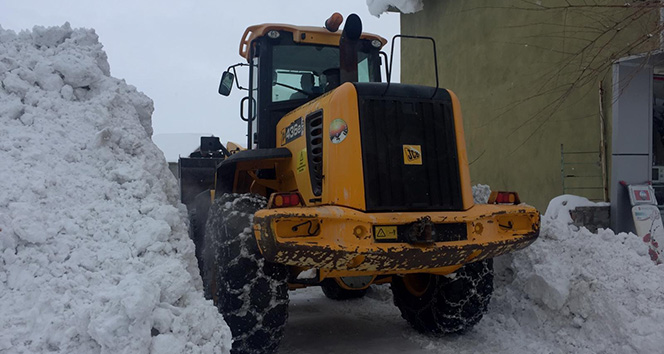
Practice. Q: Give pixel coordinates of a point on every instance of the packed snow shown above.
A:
(94, 249)
(378, 7)
(576, 291)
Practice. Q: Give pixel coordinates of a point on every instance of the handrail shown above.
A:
(435, 60)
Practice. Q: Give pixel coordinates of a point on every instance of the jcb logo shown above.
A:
(412, 154)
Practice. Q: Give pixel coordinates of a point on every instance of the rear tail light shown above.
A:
(504, 198)
(285, 200)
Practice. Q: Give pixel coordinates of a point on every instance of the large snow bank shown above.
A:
(378, 7)
(573, 291)
(94, 250)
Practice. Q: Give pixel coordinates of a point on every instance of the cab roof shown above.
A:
(301, 34)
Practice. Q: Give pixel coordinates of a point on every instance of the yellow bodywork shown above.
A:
(333, 233)
(342, 241)
(343, 183)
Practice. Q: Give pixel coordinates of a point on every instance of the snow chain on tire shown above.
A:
(249, 292)
(447, 304)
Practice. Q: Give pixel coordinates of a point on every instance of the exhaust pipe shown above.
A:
(348, 48)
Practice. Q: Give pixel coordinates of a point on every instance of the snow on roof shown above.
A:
(94, 247)
(378, 7)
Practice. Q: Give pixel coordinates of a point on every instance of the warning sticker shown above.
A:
(385, 232)
(412, 154)
(302, 161)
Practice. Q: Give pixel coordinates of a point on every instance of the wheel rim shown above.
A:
(417, 284)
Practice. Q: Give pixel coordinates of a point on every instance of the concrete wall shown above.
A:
(528, 82)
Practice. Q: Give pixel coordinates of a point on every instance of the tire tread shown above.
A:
(252, 295)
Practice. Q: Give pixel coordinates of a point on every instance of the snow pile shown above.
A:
(573, 291)
(94, 251)
(378, 7)
(481, 193)
(560, 207)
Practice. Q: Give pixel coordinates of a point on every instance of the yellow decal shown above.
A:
(302, 161)
(386, 232)
(412, 154)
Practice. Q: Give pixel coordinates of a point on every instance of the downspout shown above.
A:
(602, 144)
(661, 25)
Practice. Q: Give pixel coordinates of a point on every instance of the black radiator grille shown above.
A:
(387, 124)
(314, 123)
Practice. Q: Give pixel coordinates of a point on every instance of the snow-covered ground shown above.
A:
(94, 249)
(95, 256)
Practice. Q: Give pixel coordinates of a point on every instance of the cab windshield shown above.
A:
(307, 71)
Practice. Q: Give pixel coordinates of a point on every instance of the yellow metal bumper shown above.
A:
(345, 240)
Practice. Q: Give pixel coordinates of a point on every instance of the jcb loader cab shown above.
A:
(346, 181)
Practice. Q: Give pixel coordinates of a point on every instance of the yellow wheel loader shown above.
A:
(346, 181)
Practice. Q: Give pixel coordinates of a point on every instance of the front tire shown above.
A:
(436, 304)
(251, 293)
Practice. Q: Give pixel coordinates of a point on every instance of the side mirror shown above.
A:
(226, 83)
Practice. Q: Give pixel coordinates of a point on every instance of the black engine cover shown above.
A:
(409, 148)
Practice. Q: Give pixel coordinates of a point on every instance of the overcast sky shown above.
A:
(175, 51)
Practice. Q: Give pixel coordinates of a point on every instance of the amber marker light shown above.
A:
(332, 24)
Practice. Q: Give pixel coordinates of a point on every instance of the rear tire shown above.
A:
(334, 291)
(250, 292)
(436, 304)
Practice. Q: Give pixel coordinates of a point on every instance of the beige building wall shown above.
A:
(528, 80)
